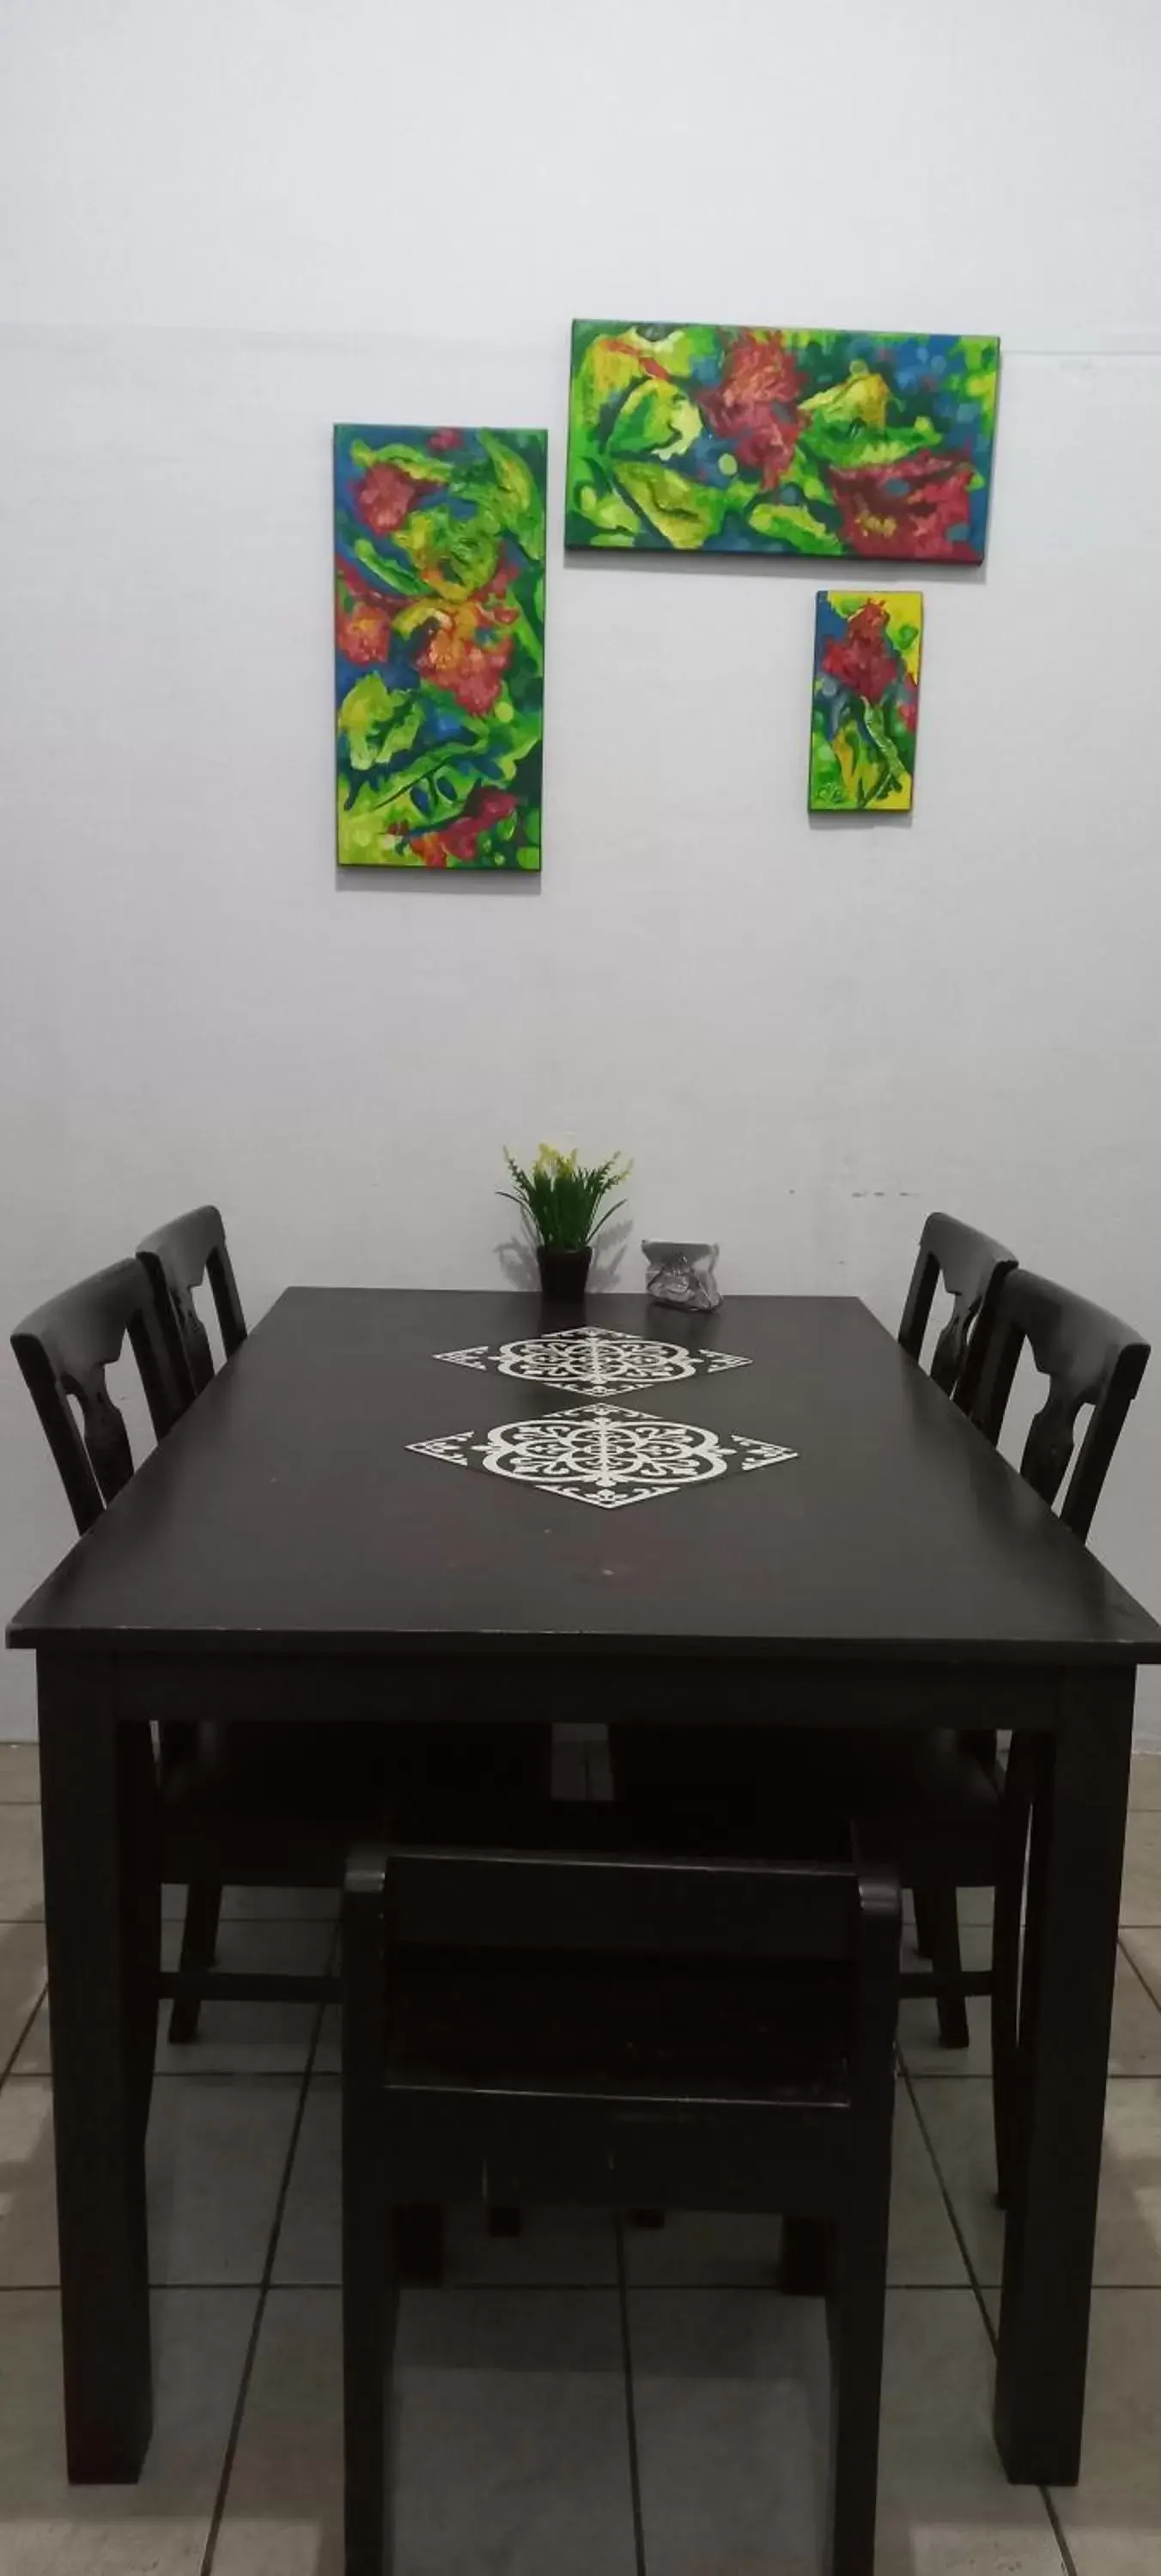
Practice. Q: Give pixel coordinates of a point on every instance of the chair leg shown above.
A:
(199, 1942)
(805, 2260)
(937, 1927)
(856, 2312)
(417, 2234)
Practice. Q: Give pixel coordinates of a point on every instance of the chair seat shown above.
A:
(927, 1798)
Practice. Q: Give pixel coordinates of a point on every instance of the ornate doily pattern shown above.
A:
(604, 1454)
(591, 1360)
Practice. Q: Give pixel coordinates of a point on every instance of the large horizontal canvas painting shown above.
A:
(866, 701)
(439, 646)
(729, 441)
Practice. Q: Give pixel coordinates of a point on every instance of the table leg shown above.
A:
(96, 1787)
(1074, 1880)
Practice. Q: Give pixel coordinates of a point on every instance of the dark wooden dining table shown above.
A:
(287, 1553)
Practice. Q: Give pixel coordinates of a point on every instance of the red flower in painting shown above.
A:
(755, 405)
(456, 844)
(443, 439)
(907, 511)
(467, 661)
(492, 804)
(363, 617)
(466, 653)
(863, 659)
(386, 495)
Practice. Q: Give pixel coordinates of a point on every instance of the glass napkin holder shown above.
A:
(682, 1274)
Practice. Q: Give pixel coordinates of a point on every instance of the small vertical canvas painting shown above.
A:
(439, 646)
(865, 702)
(705, 437)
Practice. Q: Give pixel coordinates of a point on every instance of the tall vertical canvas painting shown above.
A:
(713, 439)
(865, 702)
(439, 646)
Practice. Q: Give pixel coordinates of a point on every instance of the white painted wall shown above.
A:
(225, 227)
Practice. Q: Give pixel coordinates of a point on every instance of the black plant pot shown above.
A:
(563, 1274)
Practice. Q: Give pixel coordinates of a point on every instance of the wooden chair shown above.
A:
(948, 1812)
(228, 1786)
(973, 1830)
(606, 2027)
(265, 1806)
(176, 1259)
(63, 1351)
(972, 1267)
(1088, 1358)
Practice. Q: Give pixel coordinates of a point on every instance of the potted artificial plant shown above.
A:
(563, 1203)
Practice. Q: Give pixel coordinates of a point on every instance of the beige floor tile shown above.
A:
(1112, 2520)
(22, 1974)
(233, 2039)
(257, 2038)
(958, 2119)
(704, 2249)
(731, 2407)
(328, 2055)
(564, 2248)
(1135, 2046)
(28, 2257)
(158, 2527)
(20, 1774)
(1141, 1883)
(216, 2156)
(512, 2451)
(1145, 1783)
(21, 1876)
(1144, 1949)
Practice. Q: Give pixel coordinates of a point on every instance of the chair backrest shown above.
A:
(1088, 1357)
(177, 1257)
(600, 1900)
(64, 1350)
(973, 1268)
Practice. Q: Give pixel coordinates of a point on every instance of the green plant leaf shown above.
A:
(593, 499)
(685, 513)
(794, 527)
(518, 501)
(877, 729)
(399, 577)
(456, 556)
(376, 721)
(412, 460)
(654, 420)
(363, 839)
(852, 443)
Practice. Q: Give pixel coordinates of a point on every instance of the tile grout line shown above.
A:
(1130, 1961)
(630, 2406)
(6, 2070)
(234, 2435)
(1067, 2560)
